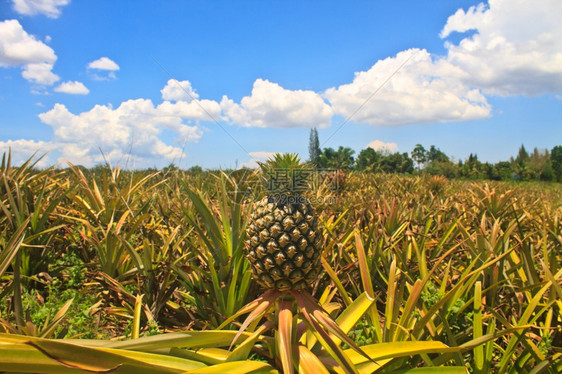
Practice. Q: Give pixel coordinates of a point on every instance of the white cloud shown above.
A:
(136, 132)
(381, 146)
(133, 130)
(103, 69)
(103, 63)
(201, 110)
(50, 8)
(40, 73)
(17, 47)
(23, 149)
(271, 105)
(179, 91)
(134, 127)
(516, 48)
(424, 90)
(73, 88)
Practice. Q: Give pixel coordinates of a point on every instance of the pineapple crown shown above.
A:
(285, 173)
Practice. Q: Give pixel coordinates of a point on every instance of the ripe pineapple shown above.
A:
(283, 244)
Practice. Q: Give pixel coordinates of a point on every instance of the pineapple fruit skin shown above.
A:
(283, 243)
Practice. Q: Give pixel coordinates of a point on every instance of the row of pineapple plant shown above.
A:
(471, 268)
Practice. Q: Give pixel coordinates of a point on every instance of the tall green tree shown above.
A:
(419, 155)
(521, 165)
(556, 162)
(522, 157)
(314, 150)
(539, 163)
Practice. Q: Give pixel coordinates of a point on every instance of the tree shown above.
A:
(397, 163)
(538, 161)
(502, 171)
(314, 147)
(522, 157)
(446, 168)
(344, 158)
(196, 169)
(435, 154)
(407, 164)
(474, 169)
(547, 173)
(438, 163)
(368, 159)
(419, 155)
(556, 162)
(326, 157)
(340, 159)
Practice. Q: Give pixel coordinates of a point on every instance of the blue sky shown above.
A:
(224, 83)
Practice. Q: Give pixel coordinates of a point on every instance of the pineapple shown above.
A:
(283, 238)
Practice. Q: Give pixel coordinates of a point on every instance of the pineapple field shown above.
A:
(115, 271)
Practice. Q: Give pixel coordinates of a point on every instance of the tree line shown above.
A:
(525, 166)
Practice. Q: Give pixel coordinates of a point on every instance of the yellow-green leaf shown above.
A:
(309, 363)
(435, 370)
(58, 356)
(243, 350)
(397, 349)
(353, 313)
(236, 367)
(209, 356)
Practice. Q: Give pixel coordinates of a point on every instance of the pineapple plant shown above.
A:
(283, 247)
(283, 244)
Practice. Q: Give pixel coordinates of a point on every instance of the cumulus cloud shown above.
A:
(72, 88)
(104, 68)
(103, 63)
(137, 131)
(179, 91)
(40, 73)
(271, 105)
(133, 128)
(424, 90)
(18, 48)
(516, 47)
(201, 110)
(50, 8)
(23, 149)
(381, 146)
